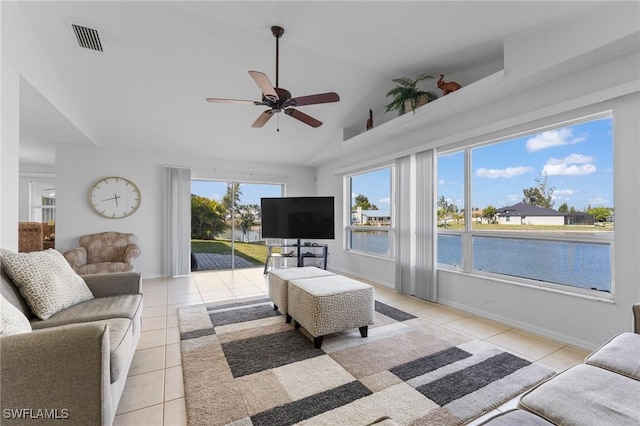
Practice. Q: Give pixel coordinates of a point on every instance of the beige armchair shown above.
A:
(104, 252)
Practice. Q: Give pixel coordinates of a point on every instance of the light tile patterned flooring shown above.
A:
(154, 392)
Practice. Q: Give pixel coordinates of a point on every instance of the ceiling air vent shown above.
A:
(88, 38)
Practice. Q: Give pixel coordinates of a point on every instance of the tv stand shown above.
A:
(302, 252)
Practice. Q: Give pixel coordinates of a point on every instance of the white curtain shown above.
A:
(177, 221)
(426, 238)
(405, 282)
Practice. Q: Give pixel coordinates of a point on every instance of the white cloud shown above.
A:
(441, 182)
(572, 165)
(568, 170)
(572, 159)
(564, 192)
(507, 173)
(386, 200)
(598, 201)
(552, 138)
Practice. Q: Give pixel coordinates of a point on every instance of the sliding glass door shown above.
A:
(225, 223)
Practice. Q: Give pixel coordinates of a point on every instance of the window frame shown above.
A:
(349, 227)
(38, 210)
(467, 234)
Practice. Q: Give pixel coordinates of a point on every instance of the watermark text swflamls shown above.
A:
(35, 413)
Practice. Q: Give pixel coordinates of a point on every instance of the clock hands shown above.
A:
(124, 202)
(115, 197)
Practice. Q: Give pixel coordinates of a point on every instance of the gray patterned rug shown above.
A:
(243, 364)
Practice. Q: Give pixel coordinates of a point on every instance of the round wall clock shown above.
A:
(115, 197)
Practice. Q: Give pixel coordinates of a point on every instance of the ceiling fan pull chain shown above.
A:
(278, 126)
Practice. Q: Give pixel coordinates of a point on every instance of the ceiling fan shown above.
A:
(279, 99)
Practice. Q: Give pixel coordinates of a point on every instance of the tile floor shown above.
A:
(154, 392)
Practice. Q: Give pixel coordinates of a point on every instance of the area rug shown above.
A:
(243, 365)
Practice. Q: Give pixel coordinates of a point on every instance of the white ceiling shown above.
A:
(162, 59)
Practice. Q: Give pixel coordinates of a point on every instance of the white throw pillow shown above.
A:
(12, 321)
(46, 281)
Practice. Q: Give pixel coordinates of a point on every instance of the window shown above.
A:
(42, 202)
(226, 220)
(541, 207)
(369, 229)
(451, 205)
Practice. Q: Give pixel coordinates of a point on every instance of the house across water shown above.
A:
(527, 214)
(371, 217)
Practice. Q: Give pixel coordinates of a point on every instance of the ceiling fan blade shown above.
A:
(264, 84)
(262, 119)
(306, 119)
(320, 98)
(233, 101)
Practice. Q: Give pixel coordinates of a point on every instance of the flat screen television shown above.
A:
(298, 217)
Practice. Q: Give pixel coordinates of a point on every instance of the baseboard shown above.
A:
(538, 331)
(152, 276)
(362, 277)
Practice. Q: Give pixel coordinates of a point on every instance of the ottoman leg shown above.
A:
(296, 324)
(317, 342)
(275, 307)
(364, 331)
(288, 320)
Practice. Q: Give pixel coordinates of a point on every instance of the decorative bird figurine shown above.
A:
(370, 121)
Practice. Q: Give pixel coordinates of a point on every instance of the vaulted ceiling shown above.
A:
(147, 90)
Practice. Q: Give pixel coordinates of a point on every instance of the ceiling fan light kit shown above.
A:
(278, 99)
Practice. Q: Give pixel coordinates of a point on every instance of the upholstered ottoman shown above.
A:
(279, 280)
(326, 305)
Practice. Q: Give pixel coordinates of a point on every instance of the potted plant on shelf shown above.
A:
(407, 94)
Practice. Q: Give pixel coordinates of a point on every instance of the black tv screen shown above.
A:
(298, 217)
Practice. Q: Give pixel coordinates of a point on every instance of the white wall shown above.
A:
(599, 73)
(531, 220)
(78, 169)
(9, 158)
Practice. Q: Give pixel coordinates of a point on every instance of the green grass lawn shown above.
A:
(559, 228)
(254, 253)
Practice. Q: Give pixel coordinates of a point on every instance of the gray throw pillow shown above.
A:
(12, 321)
(46, 281)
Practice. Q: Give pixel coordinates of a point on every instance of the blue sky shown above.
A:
(577, 161)
(375, 185)
(251, 192)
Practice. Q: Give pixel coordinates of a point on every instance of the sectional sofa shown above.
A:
(72, 366)
(605, 390)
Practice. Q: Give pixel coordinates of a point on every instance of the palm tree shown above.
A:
(407, 90)
(247, 219)
(207, 218)
(489, 213)
(232, 198)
